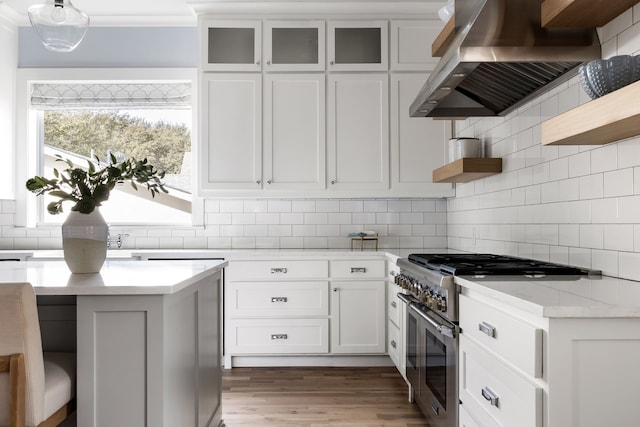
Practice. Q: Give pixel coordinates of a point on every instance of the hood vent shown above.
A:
(499, 58)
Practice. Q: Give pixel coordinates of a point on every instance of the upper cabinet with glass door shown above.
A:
(357, 46)
(230, 45)
(294, 46)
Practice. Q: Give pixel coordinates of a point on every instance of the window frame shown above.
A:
(28, 135)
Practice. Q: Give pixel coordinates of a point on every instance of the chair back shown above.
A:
(20, 333)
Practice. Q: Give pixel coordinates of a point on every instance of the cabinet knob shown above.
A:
(393, 344)
(257, 62)
(258, 182)
(335, 289)
(333, 181)
(331, 63)
(269, 182)
(394, 304)
(269, 62)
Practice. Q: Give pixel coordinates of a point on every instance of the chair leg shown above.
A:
(14, 364)
(59, 416)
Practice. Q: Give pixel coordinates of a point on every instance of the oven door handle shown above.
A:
(443, 329)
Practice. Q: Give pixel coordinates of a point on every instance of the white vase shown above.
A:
(84, 241)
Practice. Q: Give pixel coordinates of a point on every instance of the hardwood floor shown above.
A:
(317, 397)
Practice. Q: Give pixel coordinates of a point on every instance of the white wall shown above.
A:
(569, 204)
(8, 65)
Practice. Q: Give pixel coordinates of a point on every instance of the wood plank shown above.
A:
(317, 396)
(606, 119)
(444, 39)
(468, 169)
(582, 13)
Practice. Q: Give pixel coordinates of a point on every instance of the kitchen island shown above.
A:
(148, 337)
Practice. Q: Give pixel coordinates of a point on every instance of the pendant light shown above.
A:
(60, 25)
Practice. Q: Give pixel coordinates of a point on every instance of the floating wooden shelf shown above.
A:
(606, 119)
(582, 13)
(468, 169)
(444, 39)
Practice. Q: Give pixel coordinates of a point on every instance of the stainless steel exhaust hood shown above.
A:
(500, 57)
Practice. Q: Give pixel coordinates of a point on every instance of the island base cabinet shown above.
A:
(150, 360)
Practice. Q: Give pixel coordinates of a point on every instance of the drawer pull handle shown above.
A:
(358, 269)
(488, 394)
(278, 299)
(279, 336)
(393, 304)
(487, 329)
(279, 270)
(393, 344)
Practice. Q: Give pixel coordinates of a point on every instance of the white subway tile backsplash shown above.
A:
(256, 230)
(629, 153)
(592, 236)
(267, 218)
(617, 25)
(316, 218)
(363, 218)
(218, 218)
(629, 41)
(423, 206)
(580, 164)
(303, 206)
(328, 206)
(279, 205)
(255, 206)
(604, 159)
(618, 237)
(591, 186)
(618, 183)
(411, 218)
(400, 230)
(243, 218)
(351, 206)
(629, 265)
(339, 218)
(292, 218)
(605, 261)
(280, 230)
(231, 206)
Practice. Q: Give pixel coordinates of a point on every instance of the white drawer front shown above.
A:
(394, 343)
(357, 269)
(277, 336)
(393, 304)
(465, 419)
(516, 340)
(276, 270)
(279, 299)
(494, 393)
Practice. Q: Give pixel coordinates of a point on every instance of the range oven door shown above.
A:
(434, 365)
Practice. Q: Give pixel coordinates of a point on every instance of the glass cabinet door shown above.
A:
(294, 46)
(231, 45)
(358, 46)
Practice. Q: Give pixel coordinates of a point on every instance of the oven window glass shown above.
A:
(436, 366)
(412, 345)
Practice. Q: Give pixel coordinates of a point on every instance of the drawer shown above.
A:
(393, 304)
(276, 299)
(394, 344)
(513, 339)
(276, 336)
(495, 393)
(465, 419)
(357, 269)
(277, 270)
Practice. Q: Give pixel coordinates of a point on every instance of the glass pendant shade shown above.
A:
(60, 26)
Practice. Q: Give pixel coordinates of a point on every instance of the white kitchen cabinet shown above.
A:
(588, 375)
(357, 45)
(231, 132)
(417, 143)
(294, 45)
(228, 45)
(358, 317)
(357, 132)
(294, 132)
(410, 48)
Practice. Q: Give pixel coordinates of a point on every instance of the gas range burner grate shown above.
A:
(489, 264)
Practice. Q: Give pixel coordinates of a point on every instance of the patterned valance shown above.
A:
(45, 96)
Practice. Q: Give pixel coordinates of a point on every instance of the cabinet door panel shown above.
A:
(411, 45)
(231, 142)
(228, 45)
(358, 135)
(417, 143)
(294, 106)
(358, 317)
(357, 45)
(294, 46)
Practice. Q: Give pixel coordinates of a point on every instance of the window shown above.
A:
(82, 119)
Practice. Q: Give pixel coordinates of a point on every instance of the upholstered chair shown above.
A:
(43, 383)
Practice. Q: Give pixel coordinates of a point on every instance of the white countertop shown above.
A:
(585, 297)
(117, 276)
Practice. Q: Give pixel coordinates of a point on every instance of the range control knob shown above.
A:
(443, 305)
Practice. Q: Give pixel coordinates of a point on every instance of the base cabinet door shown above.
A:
(358, 318)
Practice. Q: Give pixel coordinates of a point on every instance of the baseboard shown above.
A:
(281, 361)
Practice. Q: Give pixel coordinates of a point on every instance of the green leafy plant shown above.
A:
(89, 187)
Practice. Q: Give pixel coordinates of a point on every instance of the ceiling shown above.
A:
(149, 12)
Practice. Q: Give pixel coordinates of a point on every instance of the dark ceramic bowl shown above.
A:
(604, 76)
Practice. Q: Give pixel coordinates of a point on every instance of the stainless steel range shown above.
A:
(432, 320)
